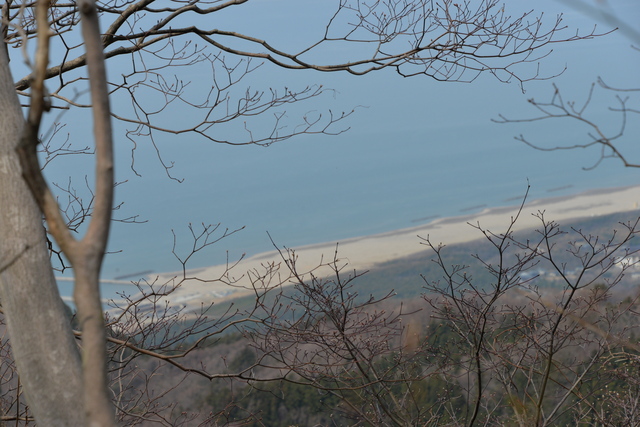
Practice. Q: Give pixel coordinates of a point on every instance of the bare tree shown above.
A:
(610, 143)
(354, 347)
(502, 349)
(443, 40)
(609, 140)
(536, 348)
(29, 294)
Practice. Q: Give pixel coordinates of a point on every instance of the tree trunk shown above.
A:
(41, 338)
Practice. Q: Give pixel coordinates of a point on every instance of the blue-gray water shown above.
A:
(299, 205)
(416, 149)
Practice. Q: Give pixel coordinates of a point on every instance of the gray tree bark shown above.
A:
(41, 337)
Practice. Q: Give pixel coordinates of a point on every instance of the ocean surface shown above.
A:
(142, 255)
(414, 150)
(361, 194)
(314, 190)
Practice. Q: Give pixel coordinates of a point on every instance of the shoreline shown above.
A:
(364, 252)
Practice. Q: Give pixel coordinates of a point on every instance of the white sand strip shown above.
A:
(362, 253)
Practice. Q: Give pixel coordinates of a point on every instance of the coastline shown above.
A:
(362, 253)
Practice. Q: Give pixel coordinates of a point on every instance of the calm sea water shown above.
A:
(310, 220)
(416, 150)
(316, 190)
(300, 205)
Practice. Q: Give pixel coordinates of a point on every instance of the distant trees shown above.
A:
(499, 352)
(443, 40)
(534, 355)
(540, 330)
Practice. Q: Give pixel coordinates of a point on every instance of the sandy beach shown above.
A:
(362, 253)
